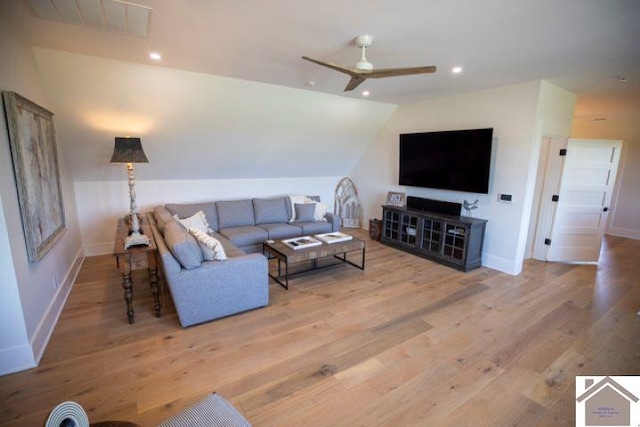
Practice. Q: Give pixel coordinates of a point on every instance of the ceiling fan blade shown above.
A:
(346, 70)
(355, 81)
(392, 72)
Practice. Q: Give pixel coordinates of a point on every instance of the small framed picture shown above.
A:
(395, 198)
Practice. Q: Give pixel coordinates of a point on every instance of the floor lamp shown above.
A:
(129, 151)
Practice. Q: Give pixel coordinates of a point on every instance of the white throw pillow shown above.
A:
(321, 209)
(295, 198)
(211, 247)
(197, 220)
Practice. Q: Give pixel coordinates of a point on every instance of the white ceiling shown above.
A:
(585, 46)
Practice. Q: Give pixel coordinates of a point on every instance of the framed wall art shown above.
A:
(35, 163)
(395, 199)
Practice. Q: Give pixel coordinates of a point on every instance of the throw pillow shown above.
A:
(295, 198)
(211, 247)
(321, 209)
(305, 212)
(197, 220)
(182, 245)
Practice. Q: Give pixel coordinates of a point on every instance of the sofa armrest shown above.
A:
(334, 220)
(220, 288)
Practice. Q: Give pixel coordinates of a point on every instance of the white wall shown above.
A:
(513, 112)
(28, 301)
(622, 121)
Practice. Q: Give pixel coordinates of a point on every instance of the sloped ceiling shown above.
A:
(199, 126)
(580, 45)
(230, 98)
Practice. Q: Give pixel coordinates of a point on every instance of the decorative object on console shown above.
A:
(35, 162)
(347, 204)
(129, 151)
(468, 206)
(395, 198)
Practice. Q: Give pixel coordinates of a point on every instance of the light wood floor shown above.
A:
(406, 342)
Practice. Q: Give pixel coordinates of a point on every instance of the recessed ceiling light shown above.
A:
(155, 56)
(366, 93)
(456, 70)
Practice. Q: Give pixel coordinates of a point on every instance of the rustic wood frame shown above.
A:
(35, 162)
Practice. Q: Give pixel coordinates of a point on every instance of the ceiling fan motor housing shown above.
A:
(364, 42)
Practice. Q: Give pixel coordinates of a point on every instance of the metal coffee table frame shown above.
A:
(288, 256)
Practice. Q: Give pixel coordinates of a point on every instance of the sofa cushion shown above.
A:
(188, 209)
(162, 217)
(315, 227)
(235, 213)
(197, 221)
(182, 245)
(245, 236)
(305, 212)
(269, 211)
(211, 247)
(282, 231)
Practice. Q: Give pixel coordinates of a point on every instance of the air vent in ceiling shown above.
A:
(109, 15)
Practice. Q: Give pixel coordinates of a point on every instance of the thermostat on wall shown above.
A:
(505, 198)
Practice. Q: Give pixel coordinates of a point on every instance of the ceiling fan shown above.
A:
(364, 69)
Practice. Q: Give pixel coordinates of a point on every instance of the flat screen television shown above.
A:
(457, 160)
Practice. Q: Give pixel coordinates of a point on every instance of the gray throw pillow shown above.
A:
(305, 212)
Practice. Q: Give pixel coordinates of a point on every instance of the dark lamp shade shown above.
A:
(128, 150)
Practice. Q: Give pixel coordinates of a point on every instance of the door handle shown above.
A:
(605, 209)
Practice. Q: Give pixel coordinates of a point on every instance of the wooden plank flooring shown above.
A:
(406, 342)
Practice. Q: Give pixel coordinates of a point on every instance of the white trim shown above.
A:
(44, 330)
(504, 265)
(16, 359)
(623, 232)
(95, 249)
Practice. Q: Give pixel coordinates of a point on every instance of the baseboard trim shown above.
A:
(504, 265)
(624, 232)
(43, 333)
(96, 249)
(16, 359)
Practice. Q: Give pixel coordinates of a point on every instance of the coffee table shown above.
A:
(288, 256)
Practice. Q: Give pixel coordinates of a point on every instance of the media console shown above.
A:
(452, 240)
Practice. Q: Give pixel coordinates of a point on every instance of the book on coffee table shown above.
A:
(301, 242)
(334, 237)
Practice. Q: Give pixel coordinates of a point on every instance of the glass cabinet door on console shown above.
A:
(455, 241)
(391, 225)
(409, 229)
(431, 235)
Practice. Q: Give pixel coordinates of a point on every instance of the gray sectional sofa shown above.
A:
(204, 290)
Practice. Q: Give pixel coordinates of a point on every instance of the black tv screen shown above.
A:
(457, 160)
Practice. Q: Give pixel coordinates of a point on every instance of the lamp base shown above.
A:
(136, 239)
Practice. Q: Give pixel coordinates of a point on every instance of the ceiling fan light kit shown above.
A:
(364, 69)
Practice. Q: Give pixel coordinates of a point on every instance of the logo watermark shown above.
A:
(608, 401)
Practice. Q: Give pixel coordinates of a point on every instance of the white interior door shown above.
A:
(586, 186)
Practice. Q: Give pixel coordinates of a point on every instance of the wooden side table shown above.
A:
(135, 258)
